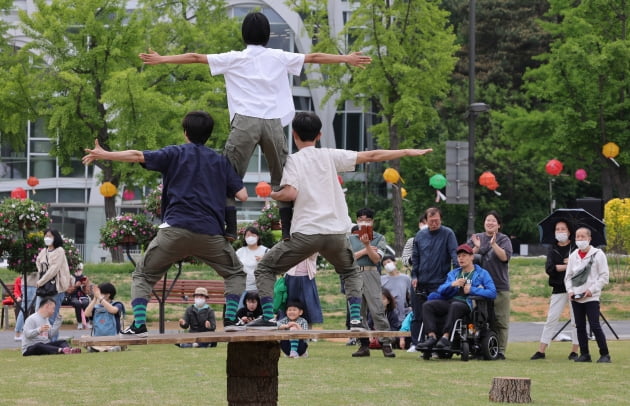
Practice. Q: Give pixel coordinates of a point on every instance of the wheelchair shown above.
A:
(471, 336)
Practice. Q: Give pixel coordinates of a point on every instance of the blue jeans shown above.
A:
(31, 296)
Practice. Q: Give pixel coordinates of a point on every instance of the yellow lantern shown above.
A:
(403, 192)
(610, 151)
(391, 175)
(108, 189)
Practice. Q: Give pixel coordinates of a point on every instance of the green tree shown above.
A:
(412, 47)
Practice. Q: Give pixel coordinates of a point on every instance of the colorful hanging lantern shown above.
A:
(263, 189)
(403, 192)
(438, 182)
(18, 193)
(554, 167)
(611, 150)
(108, 189)
(391, 175)
(32, 181)
(128, 194)
(486, 178)
(494, 185)
(580, 174)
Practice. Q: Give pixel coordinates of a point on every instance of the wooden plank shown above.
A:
(237, 336)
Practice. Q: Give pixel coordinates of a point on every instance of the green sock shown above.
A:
(231, 306)
(294, 345)
(267, 307)
(355, 308)
(139, 306)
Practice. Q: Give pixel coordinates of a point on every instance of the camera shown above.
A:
(578, 296)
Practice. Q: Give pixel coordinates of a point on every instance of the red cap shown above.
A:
(465, 248)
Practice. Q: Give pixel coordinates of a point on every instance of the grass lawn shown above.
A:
(166, 375)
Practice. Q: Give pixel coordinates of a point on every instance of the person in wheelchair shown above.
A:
(452, 301)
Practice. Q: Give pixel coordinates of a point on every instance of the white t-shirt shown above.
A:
(320, 206)
(248, 259)
(257, 81)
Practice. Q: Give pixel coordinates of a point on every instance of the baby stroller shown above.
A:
(471, 336)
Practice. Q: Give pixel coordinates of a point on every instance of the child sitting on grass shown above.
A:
(294, 321)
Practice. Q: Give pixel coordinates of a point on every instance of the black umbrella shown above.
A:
(575, 218)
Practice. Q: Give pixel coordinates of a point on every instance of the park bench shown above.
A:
(252, 355)
(180, 291)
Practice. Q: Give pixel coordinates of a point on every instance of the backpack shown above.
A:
(105, 323)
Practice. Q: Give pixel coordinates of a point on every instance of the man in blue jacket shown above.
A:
(454, 303)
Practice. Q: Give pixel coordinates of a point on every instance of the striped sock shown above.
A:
(267, 307)
(231, 306)
(294, 345)
(139, 306)
(355, 308)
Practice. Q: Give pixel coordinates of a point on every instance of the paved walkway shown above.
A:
(519, 332)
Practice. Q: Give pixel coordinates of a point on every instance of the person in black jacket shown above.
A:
(556, 267)
(198, 318)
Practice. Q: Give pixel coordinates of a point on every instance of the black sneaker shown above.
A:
(541, 355)
(573, 356)
(427, 344)
(604, 359)
(232, 325)
(356, 325)
(583, 358)
(132, 330)
(500, 357)
(262, 324)
(443, 344)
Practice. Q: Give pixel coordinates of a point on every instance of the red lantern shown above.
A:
(18, 193)
(486, 178)
(32, 181)
(263, 189)
(128, 194)
(554, 167)
(493, 185)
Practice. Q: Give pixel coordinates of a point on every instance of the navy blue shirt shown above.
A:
(433, 255)
(196, 182)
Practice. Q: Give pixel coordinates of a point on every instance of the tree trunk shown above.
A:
(252, 373)
(397, 207)
(510, 390)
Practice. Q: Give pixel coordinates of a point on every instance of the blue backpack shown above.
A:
(105, 323)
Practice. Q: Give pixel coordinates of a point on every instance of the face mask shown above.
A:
(422, 227)
(562, 237)
(199, 301)
(48, 241)
(390, 267)
(582, 244)
(251, 240)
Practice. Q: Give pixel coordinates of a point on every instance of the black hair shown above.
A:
(57, 239)
(423, 218)
(107, 287)
(198, 126)
(496, 215)
(386, 257)
(253, 230)
(307, 125)
(46, 300)
(432, 211)
(392, 302)
(295, 303)
(369, 213)
(255, 29)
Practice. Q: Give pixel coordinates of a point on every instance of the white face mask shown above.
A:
(562, 237)
(199, 301)
(422, 227)
(390, 267)
(582, 244)
(48, 241)
(251, 240)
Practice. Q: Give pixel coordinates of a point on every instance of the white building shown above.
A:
(76, 206)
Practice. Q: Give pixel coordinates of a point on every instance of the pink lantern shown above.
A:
(128, 194)
(580, 174)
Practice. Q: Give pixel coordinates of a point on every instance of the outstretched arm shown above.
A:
(153, 58)
(98, 153)
(354, 59)
(379, 155)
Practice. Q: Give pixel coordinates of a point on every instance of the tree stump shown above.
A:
(510, 390)
(252, 373)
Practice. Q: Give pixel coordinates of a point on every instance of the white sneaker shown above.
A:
(412, 349)
(563, 337)
(17, 338)
(80, 326)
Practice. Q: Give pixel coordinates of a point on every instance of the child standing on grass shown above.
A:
(196, 182)
(259, 100)
(293, 321)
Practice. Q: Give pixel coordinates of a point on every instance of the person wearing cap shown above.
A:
(199, 318)
(493, 251)
(467, 280)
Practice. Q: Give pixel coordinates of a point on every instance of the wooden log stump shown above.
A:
(252, 373)
(510, 390)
